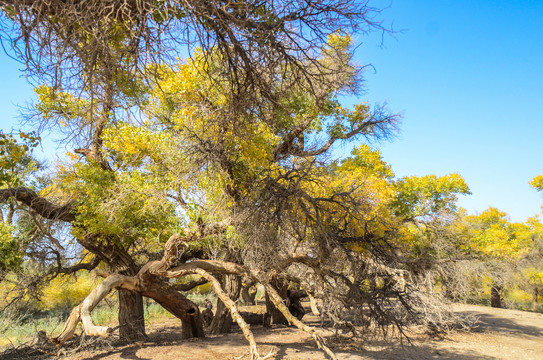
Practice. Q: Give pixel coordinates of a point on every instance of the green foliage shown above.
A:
(491, 234)
(364, 157)
(54, 103)
(16, 161)
(428, 195)
(11, 256)
(126, 206)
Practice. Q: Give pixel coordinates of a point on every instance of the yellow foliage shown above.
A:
(491, 234)
(537, 182)
(65, 292)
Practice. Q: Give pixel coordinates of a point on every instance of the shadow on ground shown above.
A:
(497, 324)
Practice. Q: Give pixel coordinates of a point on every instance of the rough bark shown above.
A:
(135, 286)
(314, 306)
(273, 314)
(222, 321)
(83, 311)
(246, 294)
(294, 303)
(131, 316)
(175, 302)
(39, 204)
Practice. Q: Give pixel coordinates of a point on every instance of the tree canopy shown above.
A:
(201, 138)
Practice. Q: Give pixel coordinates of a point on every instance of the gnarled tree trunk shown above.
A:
(176, 303)
(246, 294)
(144, 284)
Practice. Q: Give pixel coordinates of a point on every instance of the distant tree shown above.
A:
(499, 244)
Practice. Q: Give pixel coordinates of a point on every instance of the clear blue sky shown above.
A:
(467, 77)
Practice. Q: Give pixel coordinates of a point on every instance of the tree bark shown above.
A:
(314, 307)
(144, 284)
(248, 296)
(496, 296)
(176, 303)
(222, 321)
(83, 311)
(131, 316)
(273, 314)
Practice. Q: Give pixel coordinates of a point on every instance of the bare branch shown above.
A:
(231, 305)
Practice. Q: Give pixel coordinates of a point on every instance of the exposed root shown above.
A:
(278, 302)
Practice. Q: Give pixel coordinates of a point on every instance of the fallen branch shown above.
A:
(231, 305)
(278, 302)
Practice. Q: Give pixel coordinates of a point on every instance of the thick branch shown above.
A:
(190, 285)
(38, 204)
(83, 311)
(75, 268)
(212, 266)
(171, 248)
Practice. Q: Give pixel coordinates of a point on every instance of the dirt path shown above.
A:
(500, 334)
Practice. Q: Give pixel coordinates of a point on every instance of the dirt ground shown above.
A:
(499, 334)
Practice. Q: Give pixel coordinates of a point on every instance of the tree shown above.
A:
(102, 53)
(499, 244)
(16, 166)
(226, 162)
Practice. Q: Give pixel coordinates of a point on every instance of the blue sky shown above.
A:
(467, 77)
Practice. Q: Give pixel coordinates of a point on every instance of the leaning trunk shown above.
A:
(247, 295)
(174, 302)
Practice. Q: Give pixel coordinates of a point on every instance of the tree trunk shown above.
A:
(274, 315)
(175, 302)
(248, 296)
(222, 321)
(131, 316)
(314, 307)
(496, 296)
(535, 295)
(147, 285)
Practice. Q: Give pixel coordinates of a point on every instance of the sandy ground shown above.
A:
(499, 334)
